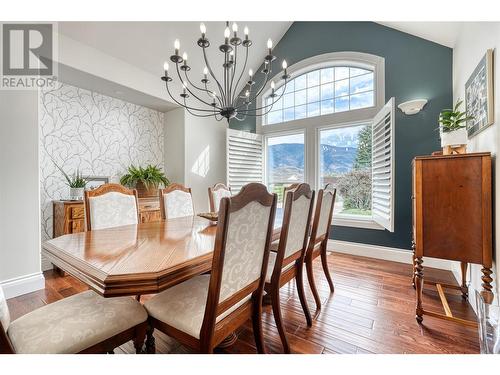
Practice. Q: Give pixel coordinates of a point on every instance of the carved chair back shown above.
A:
(295, 227)
(176, 201)
(241, 251)
(322, 216)
(216, 193)
(110, 205)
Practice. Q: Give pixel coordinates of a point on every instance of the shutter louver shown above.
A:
(383, 167)
(244, 159)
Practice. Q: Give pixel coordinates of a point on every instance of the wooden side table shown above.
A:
(452, 211)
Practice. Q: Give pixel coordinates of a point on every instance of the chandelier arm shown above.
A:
(230, 96)
(234, 99)
(196, 114)
(210, 92)
(199, 88)
(212, 74)
(272, 103)
(182, 105)
(187, 88)
(258, 92)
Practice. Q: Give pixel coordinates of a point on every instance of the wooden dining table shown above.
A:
(139, 259)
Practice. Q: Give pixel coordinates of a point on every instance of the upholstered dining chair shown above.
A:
(288, 188)
(82, 323)
(286, 261)
(216, 193)
(319, 239)
(202, 311)
(110, 205)
(176, 201)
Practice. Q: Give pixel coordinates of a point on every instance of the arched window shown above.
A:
(323, 91)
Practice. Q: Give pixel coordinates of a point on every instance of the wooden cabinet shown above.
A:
(69, 216)
(452, 210)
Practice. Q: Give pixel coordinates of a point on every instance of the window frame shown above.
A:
(312, 126)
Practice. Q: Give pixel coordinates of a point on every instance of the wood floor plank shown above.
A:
(371, 311)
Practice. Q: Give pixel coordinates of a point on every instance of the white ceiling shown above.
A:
(147, 45)
(444, 33)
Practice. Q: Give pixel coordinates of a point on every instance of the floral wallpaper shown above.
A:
(95, 134)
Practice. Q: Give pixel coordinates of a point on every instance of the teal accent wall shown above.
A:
(414, 68)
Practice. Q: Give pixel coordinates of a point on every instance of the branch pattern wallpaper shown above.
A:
(95, 134)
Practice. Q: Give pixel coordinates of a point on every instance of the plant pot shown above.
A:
(454, 138)
(76, 194)
(144, 192)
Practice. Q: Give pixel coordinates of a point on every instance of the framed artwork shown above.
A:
(479, 96)
(95, 181)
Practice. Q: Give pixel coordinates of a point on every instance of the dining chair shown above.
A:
(288, 188)
(176, 201)
(82, 323)
(286, 260)
(318, 240)
(110, 205)
(202, 311)
(216, 193)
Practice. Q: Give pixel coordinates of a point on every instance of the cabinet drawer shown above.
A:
(77, 212)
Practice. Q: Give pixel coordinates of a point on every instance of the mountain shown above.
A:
(287, 160)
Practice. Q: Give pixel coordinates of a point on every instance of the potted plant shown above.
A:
(452, 126)
(76, 185)
(145, 180)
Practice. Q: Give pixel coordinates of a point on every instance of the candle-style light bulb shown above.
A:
(184, 85)
(203, 29)
(247, 93)
(235, 28)
(177, 45)
(270, 45)
(250, 73)
(246, 32)
(272, 85)
(205, 72)
(165, 68)
(185, 58)
(231, 56)
(227, 33)
(284, 65)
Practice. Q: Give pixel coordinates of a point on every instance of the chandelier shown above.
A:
(221, 99)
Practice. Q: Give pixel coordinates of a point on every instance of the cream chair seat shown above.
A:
(74, 324)
(183, 306)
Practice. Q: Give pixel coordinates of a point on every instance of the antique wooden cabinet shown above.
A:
(452, 220)
(69, 216)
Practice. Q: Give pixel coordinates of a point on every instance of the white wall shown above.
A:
(195, 153)
(19, 193)
(473, 41)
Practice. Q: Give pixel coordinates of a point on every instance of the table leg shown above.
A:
(464, 288)
(413, 263)
(59, 271)
(228, 341)
(486, 293)
(419, 285)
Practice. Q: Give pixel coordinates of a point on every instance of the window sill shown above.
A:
(356, 222)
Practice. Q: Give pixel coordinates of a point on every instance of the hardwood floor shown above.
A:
(371, 311)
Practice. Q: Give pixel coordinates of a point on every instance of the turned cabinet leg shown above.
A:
(463, 287)
(419, 285)
(486, 293)
(413, 263)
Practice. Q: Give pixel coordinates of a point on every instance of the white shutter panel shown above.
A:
(244, 159)
(383, 167)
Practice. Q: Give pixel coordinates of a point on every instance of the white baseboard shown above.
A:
(385, 253)
(22, 285)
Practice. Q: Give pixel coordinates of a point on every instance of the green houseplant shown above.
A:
(146, 180)
(76, 184)
(452, 126)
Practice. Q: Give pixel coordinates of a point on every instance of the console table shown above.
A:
(452, 220)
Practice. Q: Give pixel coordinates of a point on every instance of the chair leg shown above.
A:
(324, 263)
(275, 299)
(312, 284)
(299, 279)
(140, 336)
(150, 340)
(257, 325)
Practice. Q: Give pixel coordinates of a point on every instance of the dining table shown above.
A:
(139, 259)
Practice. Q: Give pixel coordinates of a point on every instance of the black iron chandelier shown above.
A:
(221, 99)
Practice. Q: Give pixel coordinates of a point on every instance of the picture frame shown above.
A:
(95, 181)
(479, 96)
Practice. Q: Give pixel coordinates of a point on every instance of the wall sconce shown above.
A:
(413, 106)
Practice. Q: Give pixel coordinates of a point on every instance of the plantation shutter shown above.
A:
(244, 159)
(383, 167)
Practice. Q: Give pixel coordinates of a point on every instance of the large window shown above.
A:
(285, 162)
(345, 155)
(321, 92)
